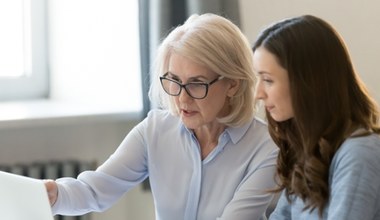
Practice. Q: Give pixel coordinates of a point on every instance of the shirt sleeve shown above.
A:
(252, 197)
(98, 190)
(282, 210)
(355, 181)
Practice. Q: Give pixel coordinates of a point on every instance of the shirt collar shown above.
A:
(237, 133)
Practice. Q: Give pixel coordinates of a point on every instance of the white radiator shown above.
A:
(52, 170)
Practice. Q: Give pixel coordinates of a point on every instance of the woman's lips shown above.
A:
(188, 113)
(269, 108)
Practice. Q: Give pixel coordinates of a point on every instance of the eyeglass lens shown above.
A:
(195, 90)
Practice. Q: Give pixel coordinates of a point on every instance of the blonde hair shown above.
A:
(218, 44)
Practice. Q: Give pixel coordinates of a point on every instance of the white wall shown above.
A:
(357, 21)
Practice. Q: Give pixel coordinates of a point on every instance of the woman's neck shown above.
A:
(208, 137)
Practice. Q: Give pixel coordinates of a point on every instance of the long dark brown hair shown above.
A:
(329, 102)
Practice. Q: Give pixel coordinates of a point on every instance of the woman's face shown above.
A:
(273, 85)
(199, 112)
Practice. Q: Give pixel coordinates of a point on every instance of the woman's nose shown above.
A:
(259, 92)
(184, 96)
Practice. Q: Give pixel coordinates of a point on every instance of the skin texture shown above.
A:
(200, 115)
(52, 190)
(273, 85)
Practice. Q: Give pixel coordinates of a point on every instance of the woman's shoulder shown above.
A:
(259, 127)
(368, 144)
(160, 118)
(156, 122)
(260, 122)
(257, 133)
(160, 115)
(363, 149)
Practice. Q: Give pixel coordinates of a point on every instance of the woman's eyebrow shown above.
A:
(262, 72)
(170, 74)
(197, 77)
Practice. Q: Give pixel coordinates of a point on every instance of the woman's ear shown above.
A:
(234, 87)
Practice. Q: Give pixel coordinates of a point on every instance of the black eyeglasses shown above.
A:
(196, 90)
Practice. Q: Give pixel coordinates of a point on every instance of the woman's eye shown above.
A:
(268, 80)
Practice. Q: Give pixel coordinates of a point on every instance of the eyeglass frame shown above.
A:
(206, 84)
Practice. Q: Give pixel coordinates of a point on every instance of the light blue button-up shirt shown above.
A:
(231, 183)
(354, 185)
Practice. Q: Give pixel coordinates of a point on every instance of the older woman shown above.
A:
(206, 155)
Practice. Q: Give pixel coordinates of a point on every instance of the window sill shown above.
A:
(48, 112)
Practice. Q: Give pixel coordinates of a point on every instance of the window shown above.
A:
(89, 47)
(95, 53)
(23, 69)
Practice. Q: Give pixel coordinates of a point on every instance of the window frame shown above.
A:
(34, 85)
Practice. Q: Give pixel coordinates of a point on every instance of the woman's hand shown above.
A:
(52, 190)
